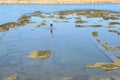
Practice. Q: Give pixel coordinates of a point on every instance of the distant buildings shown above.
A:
(58, 1)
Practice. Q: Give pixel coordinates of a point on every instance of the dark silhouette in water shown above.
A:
(51, 28)
(51, 23)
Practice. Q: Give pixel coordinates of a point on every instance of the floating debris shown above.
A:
(14, 77)
(108, 47)
(40, 54)
(95, 34)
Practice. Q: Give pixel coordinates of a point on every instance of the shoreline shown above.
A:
(60, 2)
(57, 3)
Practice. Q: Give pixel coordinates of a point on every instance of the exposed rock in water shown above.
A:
(51, 16)
(80, 26)
(11, 78)
(95, 34)
(5, 27)
(96, 26)
(105, 66)
(40, 54)
(65, 78)
(23, 20)
(43, 23)
(80, 21)
(114, 23)
(115, 31)
(98, 40)
(112, 18)
(37, 13)
(108, 47)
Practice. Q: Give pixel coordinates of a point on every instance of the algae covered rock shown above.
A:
(43, 23)
(95, 34)
(80, 21)
(108, 47)
(23, 20)
(12, 78)
(114, 23)
(115, 31)
(98, 40)
(40, 54)
(104, 66)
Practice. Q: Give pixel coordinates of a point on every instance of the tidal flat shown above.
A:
(82, 44)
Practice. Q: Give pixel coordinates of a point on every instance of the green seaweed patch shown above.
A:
(95, 34)
(80, 21)
(40, 54)
(114, 23)
(105, 66)
(108, 47)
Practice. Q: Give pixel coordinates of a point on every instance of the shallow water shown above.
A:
(72, 48)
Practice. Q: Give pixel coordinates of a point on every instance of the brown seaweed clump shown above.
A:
(105, 66)
(108, 47)
(12, 78)
(95, 34)
(40, 54)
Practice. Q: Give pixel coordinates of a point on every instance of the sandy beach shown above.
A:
(58, 1)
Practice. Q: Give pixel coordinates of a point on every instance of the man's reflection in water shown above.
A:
(51, 28)
(51, 31)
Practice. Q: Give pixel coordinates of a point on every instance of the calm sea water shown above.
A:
(72, 48)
